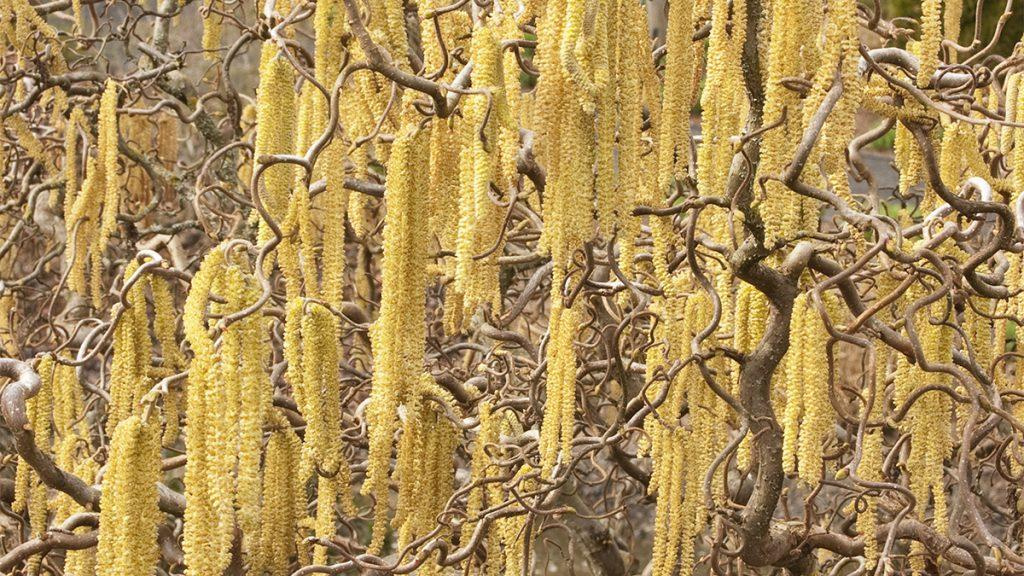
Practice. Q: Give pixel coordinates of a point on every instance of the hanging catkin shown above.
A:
(129, 379)
(71, 160)
(29, 489)
(399, 333)
(722, 102)
(107, 163)
(632, 57)
(282, 501)
(1006, 133)
(320, 396)
(674, 133)
(228, 399)
(480, 218)
(869, 469)
(782, 212)
(129, 516)
(681, 456)
(93, 215)
(275, 131)
(927, 49)
(565, 110)
(808, 412)
(559, 415)
(424, 468)
(1017, 159)
(213, 29)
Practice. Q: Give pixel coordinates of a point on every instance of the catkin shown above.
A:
(1017, 159)
(329, 29)
(559, 417)
(808, 411)
(29, 489)
(321, 404)
(228, 398)
(424, 468)
(71, 160)
(1006, 133)
(275, 131)
(399, 333)
(282, 501)
(129, 516)
(869, 468)
(674, 133)
(722, 102)
(213, 29)
(632, 55)
(129, 379)
(92, 217)
(107, 164)
(927, 49)
(782, 212)
(480, 219)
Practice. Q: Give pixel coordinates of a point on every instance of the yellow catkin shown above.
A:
(71, 159)
(927, 49)
(840, 52)
(107, 163)
(928, 420)
(565, 125)
(82, 562)
(29, 490)
(907, 157)
(808, 411)
(326, 497)
(80, 226)
(722, 103)
(559, 417)
(298, 263)
(869, 468)
(164, 322)
(795, 359)
(1017, 159)
(1006, 133)
(321, 404)
(632, 57)
(511, 117)
(329, 28)
(391, 15)
(480, 218)
(605, 44)
(782, 212)
(213, 29)
(92, 217)
(444, 185)
(952, 14)
(681, 456)
(204, 553)
(8, 325)
(129, 516)
(424, 468)
(129, 379)
(275, 131)
(283, 499)
(674, 134)
(34, 148)
(960, 157)
(399, 333)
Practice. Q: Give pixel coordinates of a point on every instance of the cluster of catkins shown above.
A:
(610, 126)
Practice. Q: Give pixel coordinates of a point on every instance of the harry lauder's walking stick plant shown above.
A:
(490, 287)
